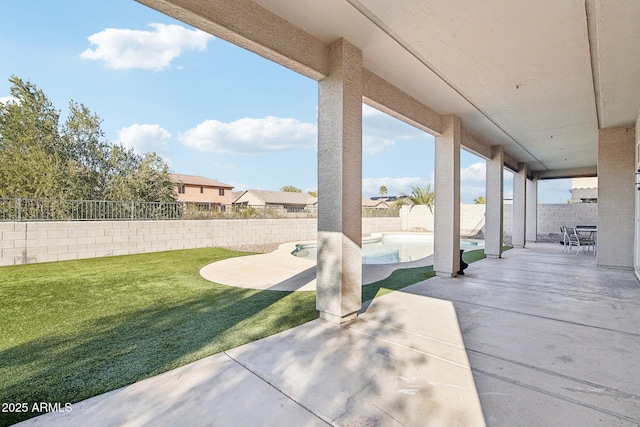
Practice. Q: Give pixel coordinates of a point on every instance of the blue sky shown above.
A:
(206, 106)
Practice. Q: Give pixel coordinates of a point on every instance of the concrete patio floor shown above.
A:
(551, 341)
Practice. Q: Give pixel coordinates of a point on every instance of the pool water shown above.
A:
(388, 248)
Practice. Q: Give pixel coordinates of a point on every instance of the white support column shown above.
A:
(532, 210)
(339, 274)
(494, 215)
(446, 257)
(519, 206)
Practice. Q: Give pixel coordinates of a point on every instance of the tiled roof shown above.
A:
(197, 180)
(284, 197)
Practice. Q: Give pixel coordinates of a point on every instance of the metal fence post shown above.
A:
(19, 209)
(133, 215)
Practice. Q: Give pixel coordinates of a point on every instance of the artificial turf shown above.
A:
(75, 329)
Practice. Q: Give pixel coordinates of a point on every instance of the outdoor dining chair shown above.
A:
(577, 241)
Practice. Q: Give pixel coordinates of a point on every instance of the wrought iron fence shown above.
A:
(23, 210)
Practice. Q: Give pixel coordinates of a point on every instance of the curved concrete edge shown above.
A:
(279, 270)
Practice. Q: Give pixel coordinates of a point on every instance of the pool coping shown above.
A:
(279, 270)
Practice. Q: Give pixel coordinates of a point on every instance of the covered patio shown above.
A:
(546, 89)
(549, 339)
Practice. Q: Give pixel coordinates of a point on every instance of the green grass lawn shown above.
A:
(75, 329)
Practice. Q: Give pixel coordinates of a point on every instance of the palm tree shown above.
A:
(419, 196)
(383, 190)
(480, 200)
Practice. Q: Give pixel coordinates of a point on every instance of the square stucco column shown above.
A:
(446, 257)
(339, 271)
(494, 215)
(616, 196)
(532, 210)
(519, 206)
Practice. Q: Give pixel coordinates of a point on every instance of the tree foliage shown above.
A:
(291, 189)
(480, 200)
(419, 196)
(43, 158)
(383, 190)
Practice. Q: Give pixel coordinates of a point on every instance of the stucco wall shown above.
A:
(616, 197)
(31, 242)
(209, 194)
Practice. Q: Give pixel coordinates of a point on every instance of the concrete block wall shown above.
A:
(32, 242)
(420, 218)
(553, 216)
(550, 218)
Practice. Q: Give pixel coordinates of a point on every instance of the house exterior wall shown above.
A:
(209, 195)
(250, 199)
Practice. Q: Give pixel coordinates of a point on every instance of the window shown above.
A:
(201, 190)
(180, 188)
(220, 191)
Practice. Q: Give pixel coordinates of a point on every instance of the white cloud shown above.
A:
(475, 172)
(250, 135)
(470, 192)
(395, 186)
(373, 145)
(380, 131)
(145, 138)
(123, 49)
(7, 99)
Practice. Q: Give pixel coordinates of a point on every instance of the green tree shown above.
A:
(138, 177)
(291, 189)
(383, 190)
(419, 196)
(31, 165)
(480, 200)
(42, 159)
(312, 193)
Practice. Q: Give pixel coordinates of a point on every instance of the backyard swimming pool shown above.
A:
(389, 248)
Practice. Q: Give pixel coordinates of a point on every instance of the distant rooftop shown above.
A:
(197, 180)
(284, 197)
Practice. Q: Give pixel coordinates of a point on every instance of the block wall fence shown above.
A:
(33, 242)
(550, 218)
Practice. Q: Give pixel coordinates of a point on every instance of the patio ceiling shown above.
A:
(538, 77)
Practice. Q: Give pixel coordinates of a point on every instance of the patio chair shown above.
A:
(577, 241)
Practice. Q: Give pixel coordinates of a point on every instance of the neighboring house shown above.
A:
(584, 190)
(377, 203)
(288, 201)
(389, 200)
(196, 189)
